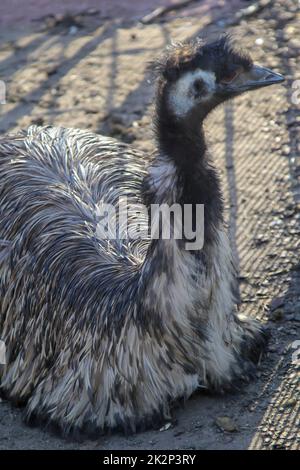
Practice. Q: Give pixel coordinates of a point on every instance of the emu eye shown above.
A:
(199, 86)
(230, 75)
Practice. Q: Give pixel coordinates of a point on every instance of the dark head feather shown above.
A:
(216, 56)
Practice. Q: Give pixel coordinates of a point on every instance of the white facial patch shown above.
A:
(181, 95)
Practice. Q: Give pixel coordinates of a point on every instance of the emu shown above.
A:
(105, 334)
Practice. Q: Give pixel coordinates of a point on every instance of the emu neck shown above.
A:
(196, 181)
(183, 142)
(182, 172)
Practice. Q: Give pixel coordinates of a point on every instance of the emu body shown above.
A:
(109, 333)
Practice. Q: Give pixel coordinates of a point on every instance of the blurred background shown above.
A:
(83, 64)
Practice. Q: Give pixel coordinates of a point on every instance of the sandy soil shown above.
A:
(88, 71)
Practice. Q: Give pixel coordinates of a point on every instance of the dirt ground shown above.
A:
(87, 69)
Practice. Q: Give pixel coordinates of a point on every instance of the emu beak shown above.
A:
(256, 77)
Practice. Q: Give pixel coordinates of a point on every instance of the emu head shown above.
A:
(194, 77)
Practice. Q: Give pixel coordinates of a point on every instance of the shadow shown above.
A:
(23, 52)
(284, 415)
(231, 181)
(279, 424)
(26, 105)
(109, 100)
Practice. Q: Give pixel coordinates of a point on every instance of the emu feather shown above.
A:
(103, 334)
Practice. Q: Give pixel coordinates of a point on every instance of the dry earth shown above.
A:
(88, 70)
